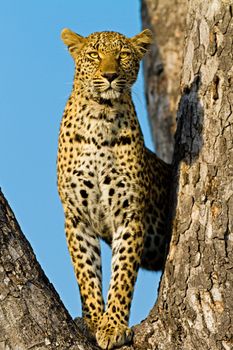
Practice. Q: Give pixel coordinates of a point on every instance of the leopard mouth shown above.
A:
(109, 90)
(110, 94)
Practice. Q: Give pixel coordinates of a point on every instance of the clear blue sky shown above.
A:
(36, 78)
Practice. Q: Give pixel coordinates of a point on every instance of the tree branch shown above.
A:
(162, 68)
(32, 314)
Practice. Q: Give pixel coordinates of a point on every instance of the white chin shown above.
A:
(110, 94)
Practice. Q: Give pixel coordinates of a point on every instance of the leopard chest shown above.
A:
(102, 187)
(97, 187)
(99, 160)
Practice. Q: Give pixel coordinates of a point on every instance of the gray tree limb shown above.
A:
(162, 69)
(32, 316)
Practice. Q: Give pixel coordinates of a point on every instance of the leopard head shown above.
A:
(107, 63)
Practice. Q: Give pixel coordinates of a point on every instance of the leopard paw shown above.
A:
(91, 325)
(111, 334)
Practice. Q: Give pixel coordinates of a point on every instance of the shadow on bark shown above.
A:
(188, 137)
(188, 142)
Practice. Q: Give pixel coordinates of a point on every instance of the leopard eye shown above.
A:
(124, 54)
(93, 54)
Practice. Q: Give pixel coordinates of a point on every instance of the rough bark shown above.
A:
(162, 68)
(32, 315)
(195, 304)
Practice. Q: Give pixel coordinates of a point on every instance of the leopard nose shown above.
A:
(110, 76)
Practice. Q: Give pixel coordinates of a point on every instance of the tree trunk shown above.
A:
(195, 304)
(162, 68)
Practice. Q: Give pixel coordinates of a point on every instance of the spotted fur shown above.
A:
(111, 186)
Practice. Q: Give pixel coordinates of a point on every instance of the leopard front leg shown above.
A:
(127, 247)
(84, 249)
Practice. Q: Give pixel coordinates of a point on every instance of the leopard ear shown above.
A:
(142, 42)
(74, 41)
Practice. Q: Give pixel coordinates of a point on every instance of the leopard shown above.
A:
(112, 187)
